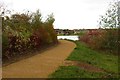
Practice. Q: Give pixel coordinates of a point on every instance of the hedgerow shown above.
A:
(102, 39)
(26, 31)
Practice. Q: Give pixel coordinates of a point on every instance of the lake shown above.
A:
(74, 38)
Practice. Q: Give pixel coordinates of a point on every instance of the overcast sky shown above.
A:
(71, 14)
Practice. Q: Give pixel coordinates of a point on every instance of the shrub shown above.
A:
(104, 39)
(23, 32)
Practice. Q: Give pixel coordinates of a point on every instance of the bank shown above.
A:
(82, 59)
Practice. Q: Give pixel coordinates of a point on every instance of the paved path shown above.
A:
(40, 65)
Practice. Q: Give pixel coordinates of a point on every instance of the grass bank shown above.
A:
(82, 53)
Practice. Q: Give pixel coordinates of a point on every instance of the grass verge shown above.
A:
(74, 72)
(107, 62)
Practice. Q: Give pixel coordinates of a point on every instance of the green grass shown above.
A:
(82, 52)
(74, 72)
(105, 61)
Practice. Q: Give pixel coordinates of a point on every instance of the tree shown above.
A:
(110, 22)
(49, 27)
(110, 19)
(37, 19)
(50, 19)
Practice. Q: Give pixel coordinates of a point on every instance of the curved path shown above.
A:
(40, 65)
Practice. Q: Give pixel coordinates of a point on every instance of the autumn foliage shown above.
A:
(102, 39)
(26, 31)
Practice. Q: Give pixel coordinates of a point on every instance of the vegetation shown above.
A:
(82, 53)
(26, 31)
(110, 19)
(102, 40)
(107, 37)
(74, 72)
(97, 49)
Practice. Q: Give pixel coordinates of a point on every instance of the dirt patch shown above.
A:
(83, 65)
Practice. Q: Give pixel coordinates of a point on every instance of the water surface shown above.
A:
(74, 38)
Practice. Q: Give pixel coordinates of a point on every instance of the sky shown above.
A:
(68, 14)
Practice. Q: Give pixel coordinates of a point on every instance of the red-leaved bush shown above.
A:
(102, 39)
(22, 32)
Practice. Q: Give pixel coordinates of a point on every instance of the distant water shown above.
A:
(74, 38)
